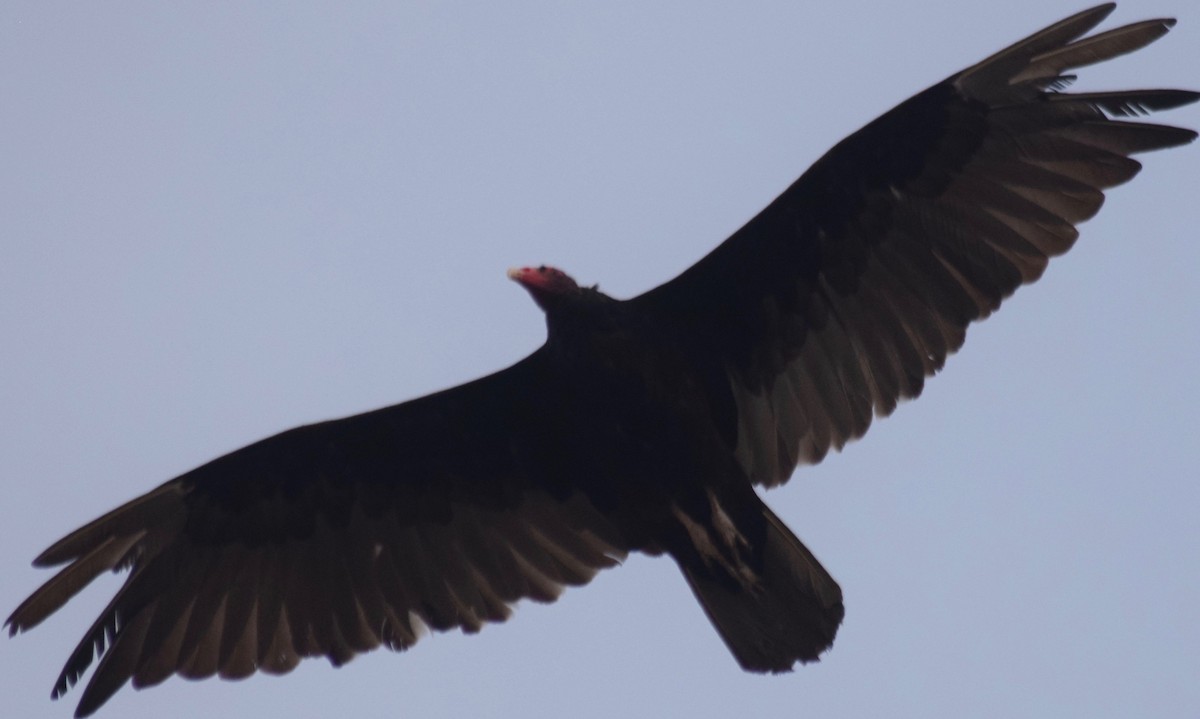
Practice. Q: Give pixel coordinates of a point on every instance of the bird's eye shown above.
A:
(542, 269)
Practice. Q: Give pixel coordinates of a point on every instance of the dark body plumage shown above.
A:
(641, 425)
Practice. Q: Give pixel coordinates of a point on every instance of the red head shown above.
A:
(548, 285)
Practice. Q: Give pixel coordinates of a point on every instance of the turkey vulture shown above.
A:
(641, 424)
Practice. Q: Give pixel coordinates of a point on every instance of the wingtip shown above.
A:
(1100, 12)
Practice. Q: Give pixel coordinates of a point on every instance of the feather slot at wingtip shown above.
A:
(1097, 48)
(92, 646)
(1125, 138)
(138, 514)
(1128, 103)
(118, 663)
(68, 582)
(1045, 40)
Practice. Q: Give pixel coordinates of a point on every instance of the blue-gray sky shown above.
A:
(220, 221)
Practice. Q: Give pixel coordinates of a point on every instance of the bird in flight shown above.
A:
(642, 424)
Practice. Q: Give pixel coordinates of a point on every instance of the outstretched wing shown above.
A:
(840, 297)
(331, 539)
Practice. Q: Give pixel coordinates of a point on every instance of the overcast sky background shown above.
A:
(220, 221)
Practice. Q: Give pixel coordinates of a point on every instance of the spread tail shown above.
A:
(790, 612)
